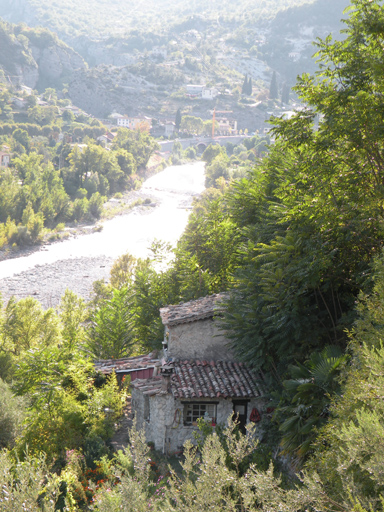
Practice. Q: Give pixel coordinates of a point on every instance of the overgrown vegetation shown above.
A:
(58, 172)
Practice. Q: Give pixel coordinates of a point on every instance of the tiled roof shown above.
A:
(151, 386)
(195, 379)
(128, 363)
(220, 379)
(190, 311)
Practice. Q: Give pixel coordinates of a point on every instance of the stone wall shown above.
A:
(162, 418)
(198, 340)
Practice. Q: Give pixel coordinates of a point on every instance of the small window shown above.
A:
(193, 411)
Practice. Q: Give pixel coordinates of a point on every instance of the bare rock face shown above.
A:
(29, 74)
(103, 89)
(56, 60)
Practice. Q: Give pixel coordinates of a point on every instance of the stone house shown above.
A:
(197, 377)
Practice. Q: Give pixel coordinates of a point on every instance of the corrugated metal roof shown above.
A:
(126, 364)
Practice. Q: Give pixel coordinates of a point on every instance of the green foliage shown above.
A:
(27, 326)
(139, 144)
(212, 151)
(12, 413)
(178, 120)
(308, 392)
(349, 452)
(27, 485)
(219, 167)
(122, 271)
(109, 335)
(96, 205)
(205, 257)
(303, 214)
(192, 124)
(72, 315)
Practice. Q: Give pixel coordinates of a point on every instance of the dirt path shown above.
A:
(121, 439)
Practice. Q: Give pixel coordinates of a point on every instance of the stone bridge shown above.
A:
(202, 142)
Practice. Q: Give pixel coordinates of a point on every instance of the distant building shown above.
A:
(195, 89)
(209, 93)
(169, 128)
(5, 158)
(144, 124)
(163, 129)
(226, 126)
(106, 139)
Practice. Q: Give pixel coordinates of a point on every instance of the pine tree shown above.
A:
(273, 90)
(285, 93)
(249, 87)
(245, 85)
(178, 120)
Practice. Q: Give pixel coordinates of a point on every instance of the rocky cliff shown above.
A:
(36, 57)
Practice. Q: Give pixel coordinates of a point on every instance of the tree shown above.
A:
(244, 88)
(273, 89)
(27, 326)
(178, 120)
(350, 449)
(311, 215)
(72, 315)
(219, 167)
(122, 271)
(285, 93)
(192, 125)
(68, 116)
(211, 152)
(249, 87)
(310, 390)
(22, 137)
(110, 333)
(12, 414)
(140, 144)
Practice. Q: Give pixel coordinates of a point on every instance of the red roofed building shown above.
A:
(197, 377)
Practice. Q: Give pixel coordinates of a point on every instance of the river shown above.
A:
(75, 263)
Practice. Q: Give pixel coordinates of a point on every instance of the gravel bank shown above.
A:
(47, 283)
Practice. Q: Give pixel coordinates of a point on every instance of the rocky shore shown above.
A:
(47, 283)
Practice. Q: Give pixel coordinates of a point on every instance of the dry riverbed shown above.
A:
(47, 283)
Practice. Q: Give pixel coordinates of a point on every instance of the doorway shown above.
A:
(240, 413)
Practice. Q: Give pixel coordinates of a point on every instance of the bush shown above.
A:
(80, 209)
(11, 416)
(96, 205)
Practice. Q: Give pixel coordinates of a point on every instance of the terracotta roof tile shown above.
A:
(191, 311)
(225, 379)
(149, 387)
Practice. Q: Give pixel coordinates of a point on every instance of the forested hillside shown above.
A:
(160, 47)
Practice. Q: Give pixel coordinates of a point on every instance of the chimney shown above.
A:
(166, 372)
